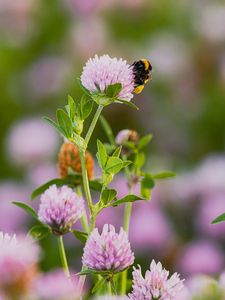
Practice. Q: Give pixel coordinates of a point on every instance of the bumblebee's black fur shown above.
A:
(141, 70)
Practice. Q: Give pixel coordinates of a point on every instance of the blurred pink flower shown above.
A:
(210, 175)
(114, 214)
(184, 294)
(155, 284)
(182, 189)
(104, 71)
(120, 184)
(96, 41)
(16, 20)
(149, 226)
(204, 287)
(83, 7)
(201, 256)
(39, 174)
(205, 180)
(12, 218)
(211, 22)
(222, 279)
(31, 141)
(169, 52)
(55, 286)
(210, 208)
(126, 135)
(108, 250)
(150, 229)
(88, 8)
(17, 256)
(47, 76)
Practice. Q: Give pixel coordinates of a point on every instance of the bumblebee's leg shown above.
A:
(139, 89)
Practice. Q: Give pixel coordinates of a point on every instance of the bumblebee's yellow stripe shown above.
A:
(146, 64)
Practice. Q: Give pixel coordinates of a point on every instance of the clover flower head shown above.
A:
(126, 135)
(155, 284)
(18, 256)
(100, 72)
(60, 208)
(108, 251)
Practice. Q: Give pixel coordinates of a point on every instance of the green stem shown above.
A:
(93, 123)
(92, 222)
(127, 216)
(84, 222)
(63, 256)
(85, 181)
(109, 288)
(84, 219)
(87, 187)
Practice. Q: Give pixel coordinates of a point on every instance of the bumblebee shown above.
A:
(142, 74)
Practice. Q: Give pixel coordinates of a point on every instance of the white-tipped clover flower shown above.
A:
(18, 258)
(60, 208)
(100, 72)
(108, 251)
(155, 285)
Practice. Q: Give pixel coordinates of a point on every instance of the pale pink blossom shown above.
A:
(30, 141)
(156, 284)
(60, 208)
(56, 286)
(194, 258)
(104, 71)
(17, 256)
(108, 251)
